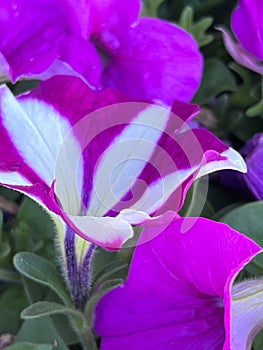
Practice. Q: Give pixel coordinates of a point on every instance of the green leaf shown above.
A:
(255, 110)
(46, 308)
(196, 203)
(248, 220)
(186, 18)
(217, 78)
(12, 302)
(150, 8)
(9, 194)
(258, 341)
(42, 271)
(242, 97)
(40, 226)
(41, 331)
(5, 249)
(201, 26)
(101, 259)
(198, 29)
(65, 329)
(118, 269)
(29, 346)
(1, 224)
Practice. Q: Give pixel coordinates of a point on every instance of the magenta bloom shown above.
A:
(253, 153)
(100, 164)
(104, 43)
(179, 292)
(247, 26)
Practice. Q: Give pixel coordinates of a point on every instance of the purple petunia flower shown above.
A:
(180, 295)
(253, 153)
(100, 161)
(103, 42)
(247, 26)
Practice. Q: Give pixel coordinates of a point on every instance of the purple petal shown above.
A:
(113, 16)
(178, 159)
(28, 35)
(156, 60)
(240, 55)
(83, 58)
(253, 153)
(174, 295)
(246, 311)
(94, 17)
(248, 26)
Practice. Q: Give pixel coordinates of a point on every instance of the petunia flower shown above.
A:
(247, 26)
(253, 154)
(103, 170)
(180, 295)
(104, 43)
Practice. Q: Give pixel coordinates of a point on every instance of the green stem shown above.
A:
(27, 291)
(87, 339)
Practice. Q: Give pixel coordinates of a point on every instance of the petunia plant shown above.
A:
(105, 150)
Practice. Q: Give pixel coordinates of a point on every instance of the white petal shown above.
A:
(106, 231)
(234, 161)
(13, 178)
(123, 161)
(158, 192)
(38, 132)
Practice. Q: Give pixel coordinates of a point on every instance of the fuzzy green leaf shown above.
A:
(29, 346)
(42, 271)
(46, 308)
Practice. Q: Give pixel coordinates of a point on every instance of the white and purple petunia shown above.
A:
(247, 26)
(180, 295)
(101, 161)
(103, 42)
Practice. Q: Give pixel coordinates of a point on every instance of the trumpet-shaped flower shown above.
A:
(103, 42)
(100, 164)
(248, 28)
(180, 295)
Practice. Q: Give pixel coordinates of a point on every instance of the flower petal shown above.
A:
(173, 297)
(107, 232)
(86, 65)
(25, 121)
(247, 311)
(93, 17)
(240, 55)
(253, 153)
(156, 61)
(248, 27)
(175, 163)
(126, 157)
(28, 35)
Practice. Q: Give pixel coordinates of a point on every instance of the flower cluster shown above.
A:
(105, 143)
